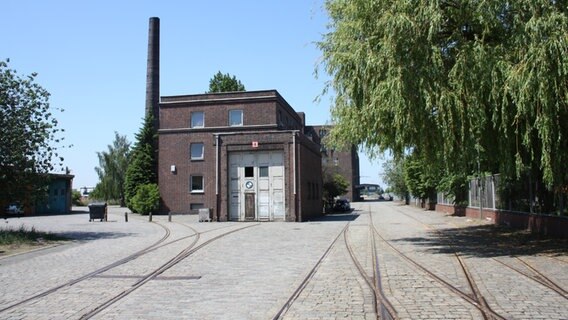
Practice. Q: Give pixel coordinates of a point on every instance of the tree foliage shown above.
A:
(393, 175)
(29, 136)
(334, 185)
(113, 164)
(142, 168)
(225, 83)
(473, 85)
(147, 198)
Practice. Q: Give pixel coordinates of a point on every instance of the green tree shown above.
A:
(113, 164)
(147, 198)
(334, 185)
(28, 137)
(394, 177)
(142, 168)
(225, 83)
(76, 198)
(478, 86)
(421, 180)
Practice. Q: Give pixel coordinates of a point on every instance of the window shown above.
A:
(196, 183)
(197, 151)
(194, 207)
(197, 120)
(249, 172)
(263, 172)
(235, 118)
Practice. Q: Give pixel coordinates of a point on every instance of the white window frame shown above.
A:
(191, 184)
(193, 123)
(191, 151)
(241, 122)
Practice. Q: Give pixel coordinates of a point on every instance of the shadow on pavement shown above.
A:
(87, 235)
(344, 216)
(489, 241)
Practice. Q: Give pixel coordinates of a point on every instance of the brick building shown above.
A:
(244, 155)
(345, 162)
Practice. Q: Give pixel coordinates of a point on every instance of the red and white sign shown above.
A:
(255, 144)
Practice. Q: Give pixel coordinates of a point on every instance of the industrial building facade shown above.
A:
(243, 155)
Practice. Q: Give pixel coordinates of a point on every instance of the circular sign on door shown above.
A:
(249, 185)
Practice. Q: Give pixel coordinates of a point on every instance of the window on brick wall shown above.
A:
(196, 183)
(194, 207)
(235, 118)
(197, 119)
(196, 151)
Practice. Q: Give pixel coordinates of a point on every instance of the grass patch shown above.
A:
(23, 236)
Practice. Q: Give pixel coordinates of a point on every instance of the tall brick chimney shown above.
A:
(153, 72)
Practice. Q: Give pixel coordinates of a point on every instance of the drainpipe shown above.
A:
(216, 164)
(217, 177)
(296, 211)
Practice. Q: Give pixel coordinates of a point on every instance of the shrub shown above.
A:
(146, 199)
(76, 198)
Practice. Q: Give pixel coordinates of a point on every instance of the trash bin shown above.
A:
(204, 215)
(97, 211)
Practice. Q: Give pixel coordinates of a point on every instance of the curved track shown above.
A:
(192, 248)
(92, 274)
(534, 274)
(476, 299)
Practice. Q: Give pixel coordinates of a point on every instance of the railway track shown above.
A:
(192, 248)
(475, 298)
(282, 311)
(92, 274)
(382, 305)
(534, 274)
(160, 243)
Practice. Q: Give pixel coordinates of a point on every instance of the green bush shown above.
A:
(146, 199)
(76, 198)
(22, 235)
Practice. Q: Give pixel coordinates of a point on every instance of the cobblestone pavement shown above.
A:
(251, 273)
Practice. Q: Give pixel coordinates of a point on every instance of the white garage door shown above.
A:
(256, 187)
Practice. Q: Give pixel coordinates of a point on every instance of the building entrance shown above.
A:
(256, 187)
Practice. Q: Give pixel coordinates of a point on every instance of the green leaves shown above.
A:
(27, 134)
(224, 83)
(142, 168)
(113, 164)
(147, 199)
(462, 82)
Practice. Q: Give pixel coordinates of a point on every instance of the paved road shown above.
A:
(252, 272)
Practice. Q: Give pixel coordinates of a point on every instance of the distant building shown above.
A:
(56, 200)
(344, 162)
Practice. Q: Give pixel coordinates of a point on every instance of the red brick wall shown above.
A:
(260, 113)
(553, 226)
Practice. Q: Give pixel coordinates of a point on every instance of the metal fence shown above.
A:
(481, 190)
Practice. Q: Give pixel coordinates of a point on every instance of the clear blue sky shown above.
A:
(91, 57)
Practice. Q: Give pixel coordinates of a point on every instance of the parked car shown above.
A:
(342, 205)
